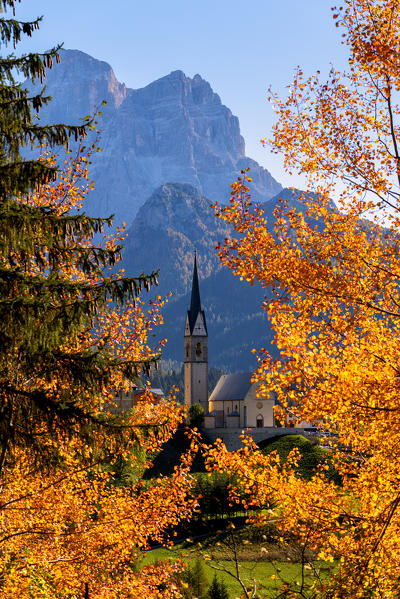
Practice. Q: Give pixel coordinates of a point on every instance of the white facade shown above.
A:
(234, 404)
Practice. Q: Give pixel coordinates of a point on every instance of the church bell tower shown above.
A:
(196, 350)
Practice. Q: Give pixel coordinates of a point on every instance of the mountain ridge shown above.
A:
(174, 129)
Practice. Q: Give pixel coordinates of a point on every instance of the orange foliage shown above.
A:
(335, 307)
(73, 523)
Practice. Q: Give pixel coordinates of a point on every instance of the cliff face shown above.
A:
(174, 129)
(77, 85)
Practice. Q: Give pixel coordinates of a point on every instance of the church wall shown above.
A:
(256, 406)
(249, 408)
(259, 408)
(196, 384)
(227, 407)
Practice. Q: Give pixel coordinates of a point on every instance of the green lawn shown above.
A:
(263, 557)
(268, 575)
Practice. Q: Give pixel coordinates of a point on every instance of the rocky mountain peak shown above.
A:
(78, 85)
(174, 221)
(168, 204)
(179, 88)
(174, 129)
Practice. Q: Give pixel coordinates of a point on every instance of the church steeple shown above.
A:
(195, 319)
(196, 349)
(195, 303)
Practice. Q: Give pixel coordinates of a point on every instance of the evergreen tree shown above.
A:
(217, 590)
(196, 415)
(40, 307)
(196, 581)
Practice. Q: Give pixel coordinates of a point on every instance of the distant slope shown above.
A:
(236, 322)
(174, 222)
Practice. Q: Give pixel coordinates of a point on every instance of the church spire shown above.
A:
(195, 304)
(196, 349)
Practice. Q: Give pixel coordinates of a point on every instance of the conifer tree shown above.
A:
(196, 581)
(40, 307)
(217, 590)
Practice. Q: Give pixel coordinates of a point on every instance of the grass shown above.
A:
(312, 454)
(266, 574)
(262, 556)
(264, 560)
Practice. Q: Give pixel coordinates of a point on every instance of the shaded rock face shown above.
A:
(78, 84)
(174, 222)
(236, 322)
(174, 129)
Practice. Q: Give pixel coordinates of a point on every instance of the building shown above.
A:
(233, 403)
(233, 410)
(196, 350)
(125, 401)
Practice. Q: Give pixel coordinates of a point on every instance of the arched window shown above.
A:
(260, 421)
(198, 349)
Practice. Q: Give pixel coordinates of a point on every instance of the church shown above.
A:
(233, 404)
(233, 407)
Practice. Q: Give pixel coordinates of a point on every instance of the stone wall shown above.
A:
(232, 440)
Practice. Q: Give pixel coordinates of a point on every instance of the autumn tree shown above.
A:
(68, 522)
(334, 272)
(41, 303)
(73, 331)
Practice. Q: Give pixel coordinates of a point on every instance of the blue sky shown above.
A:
(239, 47)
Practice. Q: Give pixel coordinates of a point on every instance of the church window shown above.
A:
(187, 351)
(198, 349)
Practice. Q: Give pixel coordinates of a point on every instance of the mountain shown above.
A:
(171, 224)
(174, 222)
(77, 84)
(174, 129)
(169, 150)
(236, 322)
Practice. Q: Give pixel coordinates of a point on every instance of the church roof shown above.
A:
(232, 387)
(195, 303)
